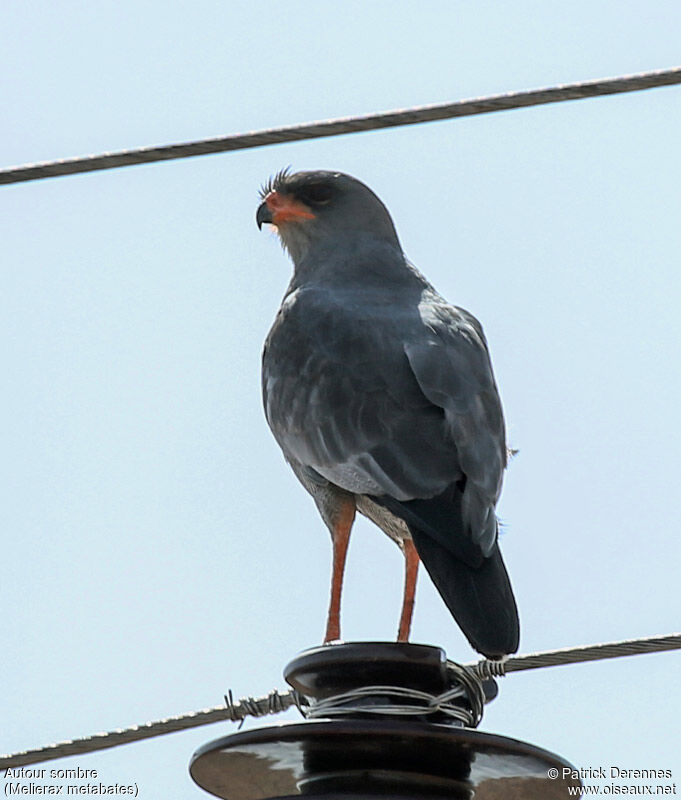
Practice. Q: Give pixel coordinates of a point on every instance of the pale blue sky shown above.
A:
(156, 549)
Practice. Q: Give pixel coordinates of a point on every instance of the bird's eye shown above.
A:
(318, 193)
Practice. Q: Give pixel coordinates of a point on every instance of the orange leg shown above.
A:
(340, 535)
(411, 571)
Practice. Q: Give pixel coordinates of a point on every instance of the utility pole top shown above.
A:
(384, 719)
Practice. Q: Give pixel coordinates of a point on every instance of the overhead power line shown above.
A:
(578, 655)
(277, 701)
(336, 127)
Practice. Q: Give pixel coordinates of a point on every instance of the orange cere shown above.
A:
(285, 208)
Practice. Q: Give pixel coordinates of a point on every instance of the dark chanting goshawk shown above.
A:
(382, 398)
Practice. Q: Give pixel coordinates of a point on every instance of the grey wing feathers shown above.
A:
(394, 400)
(340, 397)
(454, 372)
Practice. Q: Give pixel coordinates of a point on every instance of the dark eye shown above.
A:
(319, 193)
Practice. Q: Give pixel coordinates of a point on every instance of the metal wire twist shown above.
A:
(401, 701)
(273, 703)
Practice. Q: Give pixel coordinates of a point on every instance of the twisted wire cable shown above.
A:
(336, 127)
(577, 655)
(401, 701)
(276, 701)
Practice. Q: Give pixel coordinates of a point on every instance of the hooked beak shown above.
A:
(264, 215)
(278, 208)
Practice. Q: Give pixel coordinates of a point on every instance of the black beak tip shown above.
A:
(263, 215)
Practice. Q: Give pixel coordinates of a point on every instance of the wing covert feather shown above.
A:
(387, 399)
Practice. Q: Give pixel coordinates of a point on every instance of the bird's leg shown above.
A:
(411, 571)
(340, 535)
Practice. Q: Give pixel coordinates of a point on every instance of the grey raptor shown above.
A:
(382, 398)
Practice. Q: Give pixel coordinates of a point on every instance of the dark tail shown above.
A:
(479, 598)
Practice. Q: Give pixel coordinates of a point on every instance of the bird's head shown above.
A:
(320, 208)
